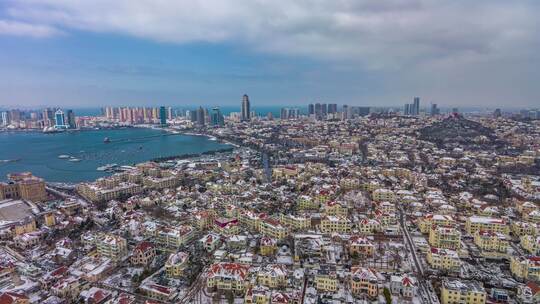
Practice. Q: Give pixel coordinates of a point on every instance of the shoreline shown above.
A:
(211, 137)
(226, 147)
(38, 131)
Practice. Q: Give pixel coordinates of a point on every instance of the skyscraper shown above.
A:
(200, 117)
(60, 119)
(434, 109)
(295, 113)
(145, 115)
(407, 109)
(192, 115)
(318, 110)
(217, 118)
(345, 112)
(332, 108)
(48, 117)
(416, 106)
(163, 116)
(284, 113)
(109, 112)
(364, 111)
(15, 116)
(246, 108)
(311, 109)
(129, 115)
(290, 113)
(71, 119)
(4, 118)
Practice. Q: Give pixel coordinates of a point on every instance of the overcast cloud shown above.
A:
(456, 52)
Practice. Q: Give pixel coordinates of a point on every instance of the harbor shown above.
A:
(83, 156)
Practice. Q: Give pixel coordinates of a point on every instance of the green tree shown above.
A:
(387, 295)
(230, 297)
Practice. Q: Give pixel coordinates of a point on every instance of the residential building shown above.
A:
(111, 246)
(457, 291)
(445, 237)
(475, 223)
(143, 254)
(176, 263)
(491, 241)
(443, 259)
(360, 246)
(273, 229)
(228, 276)
(366, 281)
(332, 224)
(526, 267)
(273, 276)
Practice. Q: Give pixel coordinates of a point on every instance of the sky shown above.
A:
(358, 52)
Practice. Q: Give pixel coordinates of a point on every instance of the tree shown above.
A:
(230, 297)
(387, 295)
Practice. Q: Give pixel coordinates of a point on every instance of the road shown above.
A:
(138, 296)
(193, 295)
(425, 289)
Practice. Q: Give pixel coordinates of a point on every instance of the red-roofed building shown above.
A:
(228, 276)
(125, 298)
(403, 285)
(528, 293)
(226, 226)
(268, 246)
(13, 298)
(158, 292)
(143, 254)
(361, 246)
(96, 295)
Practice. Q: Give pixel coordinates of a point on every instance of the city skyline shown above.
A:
(347, 52)
(269, 152)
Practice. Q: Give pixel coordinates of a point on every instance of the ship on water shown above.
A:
(9, 160)
(107, 168)
(106, 140)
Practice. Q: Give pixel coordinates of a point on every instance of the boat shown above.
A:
(50, 130)
(106, 140)
(74, 160)
(9, 160)
(127, 168)
(107, 167)
(63, 156)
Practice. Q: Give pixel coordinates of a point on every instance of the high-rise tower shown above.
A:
(246, 109)
(60, 119)
(416, 106)
(163, 116)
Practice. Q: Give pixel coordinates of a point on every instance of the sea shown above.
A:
(39, 152)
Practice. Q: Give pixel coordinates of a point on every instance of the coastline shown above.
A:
(40, 131)
(51, 165)
(211, 137)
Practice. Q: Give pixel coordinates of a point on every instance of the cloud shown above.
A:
(372, 32)
(16, 28)
(454, 50)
